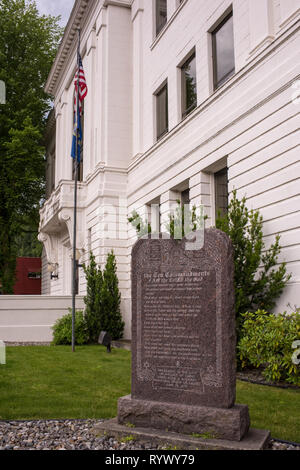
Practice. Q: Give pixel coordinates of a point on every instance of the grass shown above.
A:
(41, 382)
(52, 382)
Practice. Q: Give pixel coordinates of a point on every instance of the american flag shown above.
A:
(82, 84)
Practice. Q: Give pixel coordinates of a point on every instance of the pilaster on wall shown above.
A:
(89, 119)
(58, 147)
(100, 122)
(201, 194)
(168, 204)
(261, 24)
(137, 76)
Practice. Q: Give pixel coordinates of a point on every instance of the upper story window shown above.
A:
(221, 192)
(161, 15)
(185, 197)
(223, 51)
(162, 121)
(189, 86)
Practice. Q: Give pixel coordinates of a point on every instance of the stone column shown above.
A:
(100, 91)
(201, 194)
(137, 77)
(168, 205)
(89, 118)
(58, 146)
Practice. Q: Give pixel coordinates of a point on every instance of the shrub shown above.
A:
(62, 329)
(257, 282)
(266, 340)
(111, 318)
(92, 299)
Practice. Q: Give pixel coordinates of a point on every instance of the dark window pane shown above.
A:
(223, 51)
(161, 15)
(221, 192)
(185, 196)
(189, 86)
(162, 112)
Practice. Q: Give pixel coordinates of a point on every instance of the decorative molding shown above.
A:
(50, 242)
(67, 43)
(136, 8)
(101, 21)
(66, 216)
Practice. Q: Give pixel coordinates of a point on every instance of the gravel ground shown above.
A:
(72, 435)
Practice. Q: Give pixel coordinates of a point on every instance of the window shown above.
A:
(223, 51)
(221, 192)
(162, 125)
(185, 196)
(161, 15)
(34, 275)
(189, 87)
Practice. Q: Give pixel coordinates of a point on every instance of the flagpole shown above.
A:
(75, 205)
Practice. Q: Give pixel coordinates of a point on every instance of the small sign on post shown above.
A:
(2, 352)
(105, 340)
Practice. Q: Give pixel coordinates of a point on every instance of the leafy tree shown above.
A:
(258, 278)
(92, 300)
(111, 318)
(28, 44)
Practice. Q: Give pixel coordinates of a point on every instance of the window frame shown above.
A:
(217, 84)
(217, 173)
(184, 110)
(157, 95)
(160, 27)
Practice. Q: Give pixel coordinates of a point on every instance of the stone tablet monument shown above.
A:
(183, 339)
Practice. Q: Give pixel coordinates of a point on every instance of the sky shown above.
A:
(55, 8)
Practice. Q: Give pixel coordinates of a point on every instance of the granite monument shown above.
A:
(183, 339)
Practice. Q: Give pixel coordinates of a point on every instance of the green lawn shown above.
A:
(40, 382)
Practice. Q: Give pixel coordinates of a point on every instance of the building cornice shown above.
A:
(80, 12)
(75, 21)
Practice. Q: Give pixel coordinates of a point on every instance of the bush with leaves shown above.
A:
(111, 318)
(267, 341)
(258, 278)
(62, 329)
(92, 299)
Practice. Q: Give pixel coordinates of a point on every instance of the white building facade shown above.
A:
(186, 100)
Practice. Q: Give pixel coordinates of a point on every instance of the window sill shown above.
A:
(164, 29)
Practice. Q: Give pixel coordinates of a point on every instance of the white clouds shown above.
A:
(55, 8)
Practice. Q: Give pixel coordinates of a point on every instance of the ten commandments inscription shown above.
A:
(183, 341)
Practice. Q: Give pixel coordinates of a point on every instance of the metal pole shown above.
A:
(75, 205)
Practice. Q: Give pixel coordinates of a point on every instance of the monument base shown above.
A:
(230, 424)
(255, 439)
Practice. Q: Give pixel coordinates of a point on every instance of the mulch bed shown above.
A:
(255, 376)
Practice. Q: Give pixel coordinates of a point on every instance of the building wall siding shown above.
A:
(250, 124)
